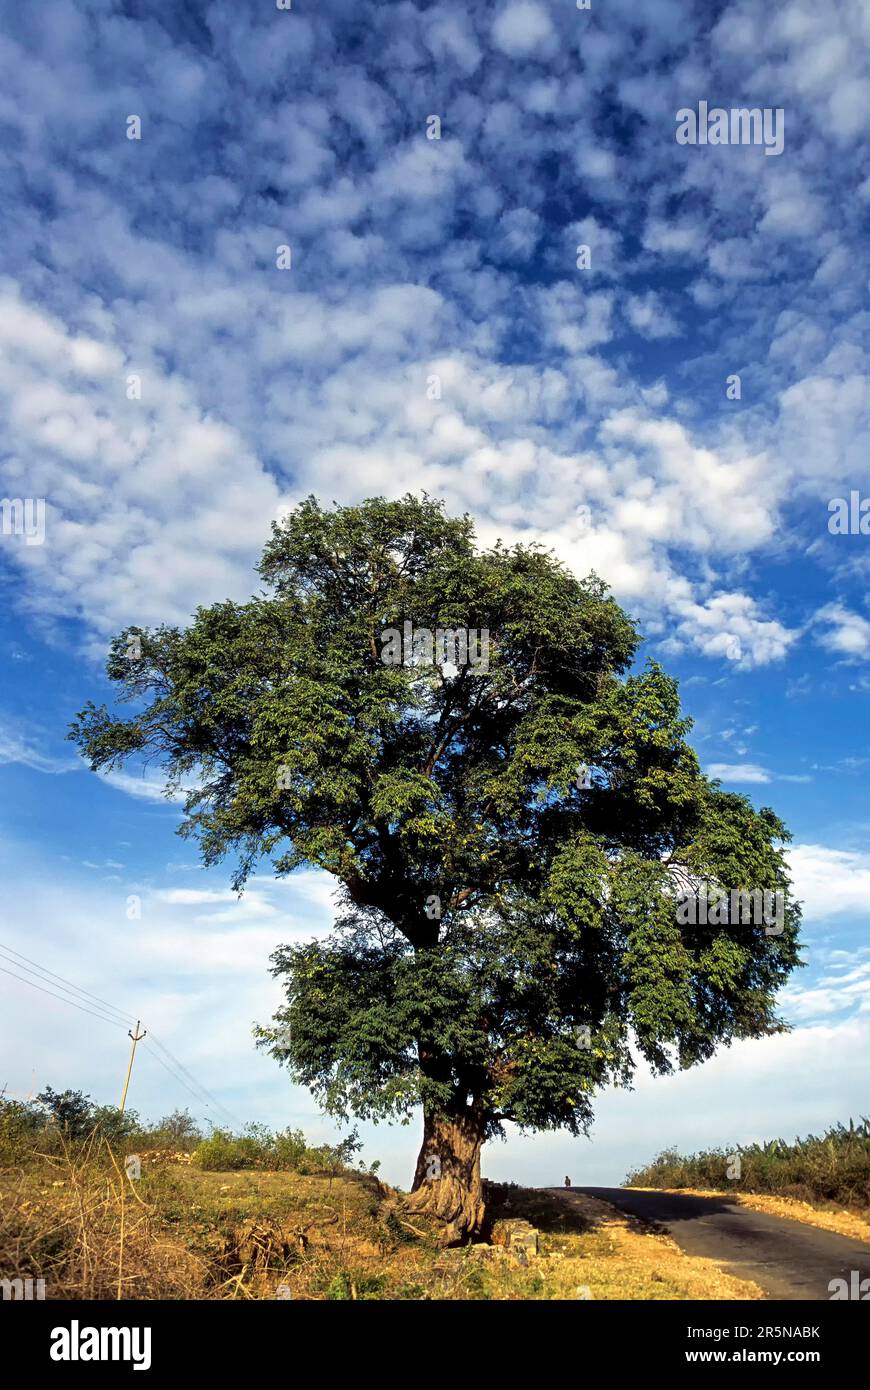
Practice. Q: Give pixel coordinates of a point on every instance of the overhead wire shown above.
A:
(8, 951)
(108, 1013)
(64, 1000)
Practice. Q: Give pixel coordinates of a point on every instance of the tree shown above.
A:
(510, 835)
(179, 1127)
(71, 1111)
(115, 1126)
(78, 1117)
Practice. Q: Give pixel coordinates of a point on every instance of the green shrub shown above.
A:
(115, 1126)
(19, 1126)
(224, 1151)
(348, 1284)
(832, 1167)
(258, 1147)
(177, 1131)
(59, 1120)
(70, 1110)
(290, 1149)
(68, 1122)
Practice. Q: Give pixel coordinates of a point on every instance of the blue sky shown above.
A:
(585, 408)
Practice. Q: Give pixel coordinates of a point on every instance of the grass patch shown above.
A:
(181, 1232)
(259, 1215)
(831, 1169)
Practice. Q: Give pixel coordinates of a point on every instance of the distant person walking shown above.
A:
(567, 1182)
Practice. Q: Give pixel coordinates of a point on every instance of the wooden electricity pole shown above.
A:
(137, 1037)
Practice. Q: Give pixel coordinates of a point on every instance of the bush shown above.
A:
(258, 1147)
(116, 1127)
(224, 1151)
(19, 1125)
(290, 1149)
(67, 1123)
(176, 1131)
(832, 1167)
(70, 1110)
(350, 1284)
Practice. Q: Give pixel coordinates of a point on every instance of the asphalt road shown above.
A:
(787, 1259)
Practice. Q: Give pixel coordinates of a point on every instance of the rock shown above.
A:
(516, 1236)
(478, 1252)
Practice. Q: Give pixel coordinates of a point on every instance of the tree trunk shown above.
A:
(447, 1180)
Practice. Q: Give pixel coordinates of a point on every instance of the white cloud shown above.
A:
(15, 748)
(140, 786)
(739, 772)
(731, 626)
(836, 992)
(845, 632)
(521, 28)
(148, 500)
(830, 882)
(648, 316)
(187, 897)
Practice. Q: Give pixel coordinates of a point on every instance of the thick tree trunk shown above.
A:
(447, 1180)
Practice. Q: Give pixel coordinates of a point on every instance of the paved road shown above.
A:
(787, 1259)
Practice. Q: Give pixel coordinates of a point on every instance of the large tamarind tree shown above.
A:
(510, 834)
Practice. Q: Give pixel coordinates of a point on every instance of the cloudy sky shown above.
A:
(169, 384)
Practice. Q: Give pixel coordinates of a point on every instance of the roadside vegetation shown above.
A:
(68, 1123)
(260, 1215)
(831, 1169)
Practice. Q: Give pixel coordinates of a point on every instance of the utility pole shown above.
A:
(137, 1037)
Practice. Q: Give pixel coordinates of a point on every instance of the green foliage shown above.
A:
(71, 1111)
(259, 1147)
(355, 1284)
(223, 1151)
(557, 939)
(832, 1167)
(20, 1123)
(57, 1120)
(178, 1130)
(108, 1122)
(69, 1124)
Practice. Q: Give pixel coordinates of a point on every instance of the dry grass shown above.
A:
(77, 1221)
(180, 1233)
(591, 1250)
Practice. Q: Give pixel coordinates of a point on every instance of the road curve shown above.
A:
(786, 1259)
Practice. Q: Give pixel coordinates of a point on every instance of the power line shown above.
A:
(61, 997)
(164, 1049)
(180, 1079)
(120, 1020)
(8, 951)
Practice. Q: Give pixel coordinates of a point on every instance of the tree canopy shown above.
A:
(510, 838)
